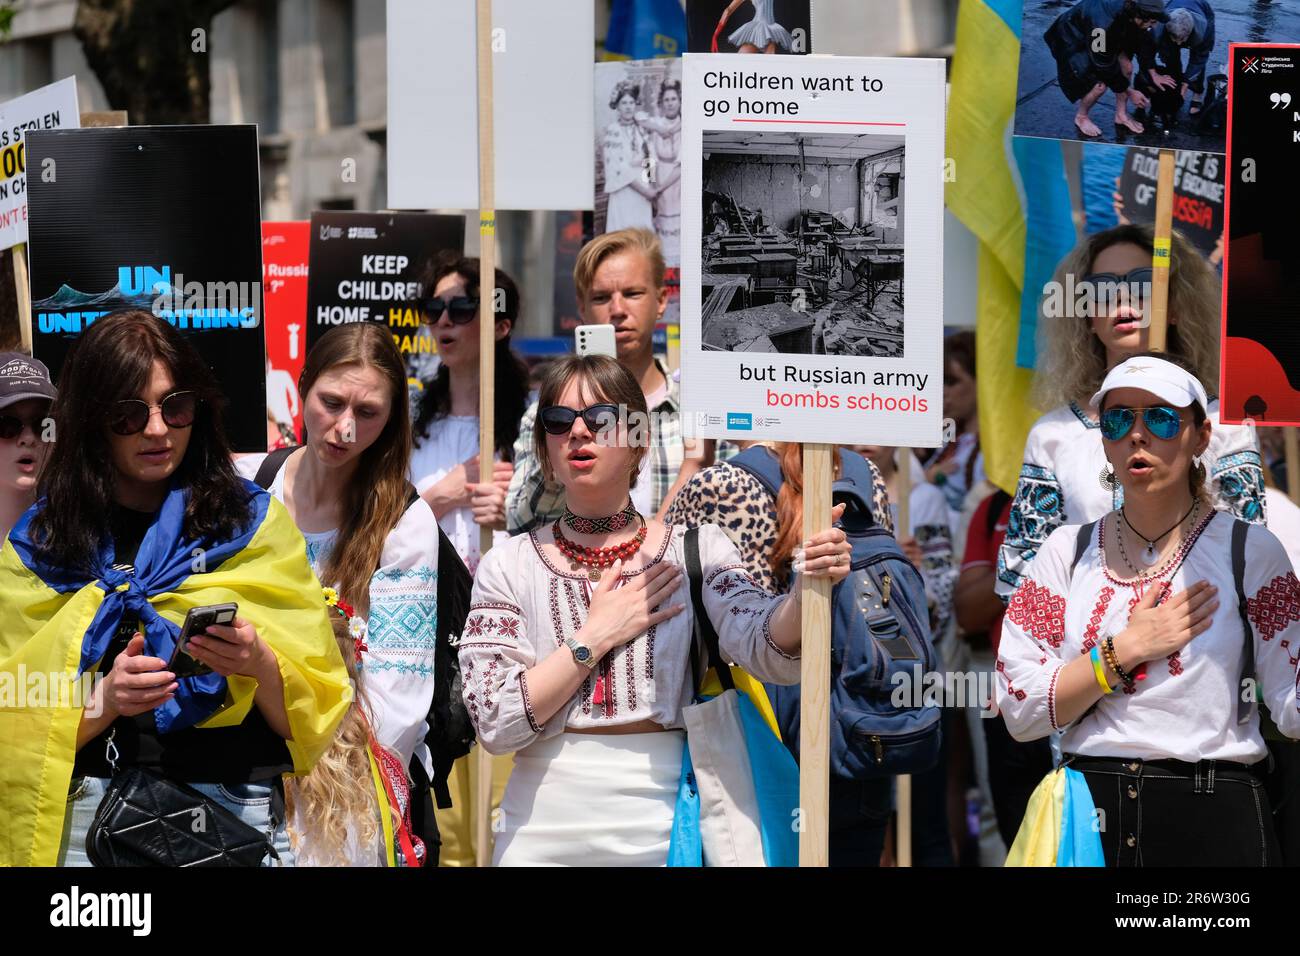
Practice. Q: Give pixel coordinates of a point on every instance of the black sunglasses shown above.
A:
(131, 415)
(559, 419)
(1141, 278)
(11, 426)
(461, 309)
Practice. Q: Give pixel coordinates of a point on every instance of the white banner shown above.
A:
(807, 184)
(50, 107)
(541, 86)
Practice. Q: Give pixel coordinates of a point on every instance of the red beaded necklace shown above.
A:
(597, 559)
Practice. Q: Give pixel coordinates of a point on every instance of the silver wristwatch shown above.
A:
(581, 653)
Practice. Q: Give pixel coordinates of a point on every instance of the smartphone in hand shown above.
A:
(196, 623)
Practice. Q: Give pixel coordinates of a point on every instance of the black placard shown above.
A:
(163, 218)
(1198, 194)
(365, 267)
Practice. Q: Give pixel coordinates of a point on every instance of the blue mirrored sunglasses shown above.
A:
(1160, 420)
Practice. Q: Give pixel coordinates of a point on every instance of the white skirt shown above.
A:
(591, 800)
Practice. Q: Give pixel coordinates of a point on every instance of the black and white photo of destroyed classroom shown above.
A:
(802, 243)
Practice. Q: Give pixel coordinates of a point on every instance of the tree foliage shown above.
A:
(151, 56)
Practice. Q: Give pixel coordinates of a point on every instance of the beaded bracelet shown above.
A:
(1112, 659)
(1100, 671)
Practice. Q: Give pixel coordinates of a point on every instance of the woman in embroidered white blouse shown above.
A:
(1127, 636)
(585, 670)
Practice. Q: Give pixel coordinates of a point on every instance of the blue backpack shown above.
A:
(880, 627)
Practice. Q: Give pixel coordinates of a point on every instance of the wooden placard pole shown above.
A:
(815, 671)
(1161, 252)
(22, 293)
(482, 810)
(903, 821)
(1292, 445)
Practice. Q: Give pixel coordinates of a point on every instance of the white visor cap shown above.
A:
(1165, 380)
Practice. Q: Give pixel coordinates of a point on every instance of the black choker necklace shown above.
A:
(614, 522)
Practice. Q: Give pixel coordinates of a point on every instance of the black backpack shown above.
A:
(450, 731)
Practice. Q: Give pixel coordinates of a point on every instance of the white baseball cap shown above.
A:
(1165, 380)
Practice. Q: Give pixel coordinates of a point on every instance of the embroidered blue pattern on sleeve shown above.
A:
(1239, 483)
(1036, 511)
(402, 626)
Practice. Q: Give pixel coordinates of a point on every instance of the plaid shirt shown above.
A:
(532, 501)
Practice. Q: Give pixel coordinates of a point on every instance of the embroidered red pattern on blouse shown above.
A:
(1017, 694)
(1090, 635)
(1038, 612)
(1051, 698)
(1275, 606)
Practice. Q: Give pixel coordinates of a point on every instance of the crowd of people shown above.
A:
(1095, 599)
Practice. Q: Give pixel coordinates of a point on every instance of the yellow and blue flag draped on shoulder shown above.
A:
(1012, 193)
(57, 626)
(1060, 827)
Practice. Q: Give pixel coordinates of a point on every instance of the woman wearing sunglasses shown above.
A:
(140, 518)
(1093, 318)
(445, 459)
(1128, 637)
(25, 396)
(576, 652)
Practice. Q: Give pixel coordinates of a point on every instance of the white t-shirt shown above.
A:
(452, 440)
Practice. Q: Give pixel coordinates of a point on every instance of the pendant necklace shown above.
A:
(1149, 554)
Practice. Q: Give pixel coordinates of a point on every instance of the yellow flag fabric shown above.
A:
(41, 643)
(1040, 831)
(983, 194)
(985, 197)
(1006, 412)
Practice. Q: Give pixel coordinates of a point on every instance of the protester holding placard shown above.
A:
(141, 518)
(25, 396)
(766, 529)
(445, 457)
(1093, 315)
(346, 489)
(620, 281)
(1149, 668)
(576, 653)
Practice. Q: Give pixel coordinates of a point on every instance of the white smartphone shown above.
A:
(595, 340)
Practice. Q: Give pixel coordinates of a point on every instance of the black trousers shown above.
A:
(1171, 813)
(1015, 770)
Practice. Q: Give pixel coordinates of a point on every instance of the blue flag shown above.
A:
(645, 29)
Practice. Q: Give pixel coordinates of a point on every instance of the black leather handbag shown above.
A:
(146, 819)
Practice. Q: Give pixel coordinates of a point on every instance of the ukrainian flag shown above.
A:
(57, 625)
(996, 176)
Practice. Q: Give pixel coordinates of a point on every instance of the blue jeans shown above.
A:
(251, 802)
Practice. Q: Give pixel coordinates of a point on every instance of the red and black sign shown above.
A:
(1260, 377)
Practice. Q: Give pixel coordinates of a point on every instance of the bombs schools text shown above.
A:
(817, 377)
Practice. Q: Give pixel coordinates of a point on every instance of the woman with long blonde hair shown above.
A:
(353, 809)
(1093, 318)
(367, 536)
